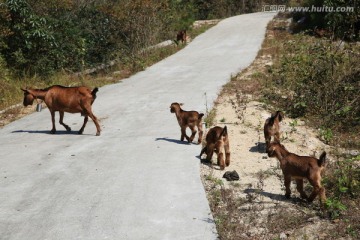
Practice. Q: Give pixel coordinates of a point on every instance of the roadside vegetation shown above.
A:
(312, 77)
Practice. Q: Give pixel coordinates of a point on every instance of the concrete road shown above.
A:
(136, 180)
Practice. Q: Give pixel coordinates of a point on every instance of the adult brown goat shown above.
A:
(189, 119)
(272, 127)
(65, 99)
(217, 139)
(300, 168)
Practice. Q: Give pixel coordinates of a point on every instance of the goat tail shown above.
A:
(223, 132)
(200, 116)
(322, 159)
(94, 91)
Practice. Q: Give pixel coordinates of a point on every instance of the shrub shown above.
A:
(319, 78)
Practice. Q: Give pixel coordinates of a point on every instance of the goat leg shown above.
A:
(89, 113)
(220, 154)
(62, 123)
(227, 155)
(86, 118)
(98, 129)
(322, 195)
(318, 190)
(200, 136)
(300, 188)
(193, 133)
(183, 134)
(204, 150)
(53, 130)
(210, 152)
(287, 181)
(221, 161)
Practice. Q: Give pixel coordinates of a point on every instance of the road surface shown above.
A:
(136, 180)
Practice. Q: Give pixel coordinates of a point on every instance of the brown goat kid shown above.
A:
(181, 36)
(191, 119)
(300, 168)
(217, 140)
(272, 127)
(65, 99)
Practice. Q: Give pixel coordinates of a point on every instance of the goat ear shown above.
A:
(281, 116)
(181, 104)
(24, 90)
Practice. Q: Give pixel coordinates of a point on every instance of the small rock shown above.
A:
(283, 236)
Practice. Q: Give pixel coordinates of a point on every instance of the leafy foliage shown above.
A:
(341, 18)
(320, 79)
(42, 37)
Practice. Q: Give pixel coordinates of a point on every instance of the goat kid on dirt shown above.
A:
(300, 168)
(65, 99)
(217, 140)
(191, 119)
(272, 127)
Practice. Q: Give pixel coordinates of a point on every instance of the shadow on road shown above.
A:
(172, 140)
(48, 132)
(210, 164)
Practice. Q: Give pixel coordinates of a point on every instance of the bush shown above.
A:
(320, 79)
(43, 37)
(341, 20)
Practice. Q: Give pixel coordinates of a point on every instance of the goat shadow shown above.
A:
(207, 163)
(259, 147)
(173, 141)
(274, 196)
(58, 132)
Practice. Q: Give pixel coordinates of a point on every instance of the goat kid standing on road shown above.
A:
(191, 119)
(217, 139)
(181, 37)
(300, 168)
(65, 99)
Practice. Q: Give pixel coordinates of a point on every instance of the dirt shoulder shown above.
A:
(255, 206)
(260, 187)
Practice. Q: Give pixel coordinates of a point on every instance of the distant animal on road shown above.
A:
(181, 36)
(272, 127)
(300, 168)
(191, 119)
(217, 140)
(65, 99)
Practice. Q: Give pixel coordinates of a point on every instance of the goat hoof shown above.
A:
(53, 131)
(287, 196)
(97, 134)
(80, 132)
(304, 197)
